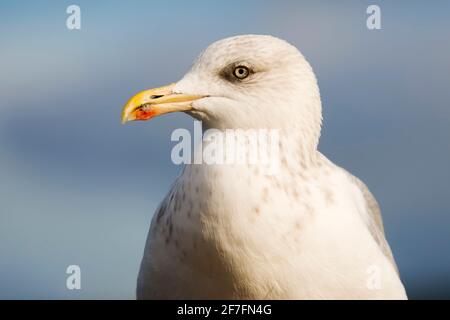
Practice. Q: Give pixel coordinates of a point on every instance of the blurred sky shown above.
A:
(77, 187)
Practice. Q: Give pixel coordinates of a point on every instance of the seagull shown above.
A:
(311, 230)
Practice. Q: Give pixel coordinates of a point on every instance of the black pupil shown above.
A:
(241, 71)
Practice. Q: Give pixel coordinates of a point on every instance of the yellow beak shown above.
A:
(150, 103)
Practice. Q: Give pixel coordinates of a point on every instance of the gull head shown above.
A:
(241, 82)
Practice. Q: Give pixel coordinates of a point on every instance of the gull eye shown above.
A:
(241, 72)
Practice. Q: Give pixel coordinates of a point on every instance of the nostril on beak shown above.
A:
(156, 96)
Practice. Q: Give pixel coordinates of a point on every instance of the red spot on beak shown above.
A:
(144, 114)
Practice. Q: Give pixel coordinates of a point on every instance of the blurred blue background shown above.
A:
(77, 187)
